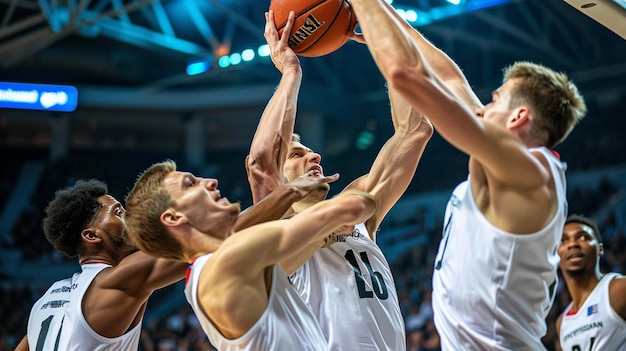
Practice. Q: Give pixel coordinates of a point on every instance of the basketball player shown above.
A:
(101, 307)
(349, 284)
(596, 317)
(243, 299)
(495, 271)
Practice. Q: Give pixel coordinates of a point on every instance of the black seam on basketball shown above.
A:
(305, 11)
(327, 27)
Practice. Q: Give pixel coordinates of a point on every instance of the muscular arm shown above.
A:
(115, 301)
(395, 164)
(233, 288)
(270, 208)
(271, 141)
(497, 155)
(447, 70)
(279, 200)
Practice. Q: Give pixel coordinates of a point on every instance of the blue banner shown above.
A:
(38, 97)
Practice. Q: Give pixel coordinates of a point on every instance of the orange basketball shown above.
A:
(321, 26)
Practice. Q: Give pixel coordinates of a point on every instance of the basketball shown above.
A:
(321, 26)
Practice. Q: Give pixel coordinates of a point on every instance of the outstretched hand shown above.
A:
(281, 54)
(310, 181)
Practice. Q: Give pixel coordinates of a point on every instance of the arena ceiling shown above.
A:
(130, 56)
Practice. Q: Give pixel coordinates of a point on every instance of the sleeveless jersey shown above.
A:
(286, 323)
(56, 321)
(351, 291)
(596, 326)
(492, 290)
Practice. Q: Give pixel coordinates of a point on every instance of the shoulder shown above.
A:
(618, 283)
(548, 158)
(617, 286)
(617, 294)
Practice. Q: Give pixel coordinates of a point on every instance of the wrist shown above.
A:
(293, 70)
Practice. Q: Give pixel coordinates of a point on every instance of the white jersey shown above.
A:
(351, 291)
(56, 320)
(492, 290)
(286, 324)
(596, 326)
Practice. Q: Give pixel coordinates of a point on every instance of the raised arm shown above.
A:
(271, 141)
(407, 69)
(447, 70)
(395, 164)
(278, 202)
(279, 240)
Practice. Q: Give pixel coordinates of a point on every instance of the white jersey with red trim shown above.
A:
(57, 323)
(492, 290)
(351, 291)
(596, 326)
(286, 324)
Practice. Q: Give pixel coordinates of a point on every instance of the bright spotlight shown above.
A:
(264, 50)
(410, 15)
(235, 58)
(197, 68)
(247, 55)
(224, 61)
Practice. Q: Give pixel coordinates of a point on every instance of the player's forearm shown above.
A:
(348, 208)
(389, 43)
(313, 225)
(272, 207)
(439, 62)
(277, 122)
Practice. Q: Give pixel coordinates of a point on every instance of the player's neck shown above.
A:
(580, 289)
(199, 245)
(305, 203)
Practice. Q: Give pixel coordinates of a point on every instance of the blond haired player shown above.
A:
(102, 306)
(495, 271)
(243, 299)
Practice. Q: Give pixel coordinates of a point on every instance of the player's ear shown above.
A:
(90, 235)
(520, 116)
(172, 218)
(600, 249)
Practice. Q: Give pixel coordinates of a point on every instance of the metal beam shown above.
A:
(23, 25)
(146, 38)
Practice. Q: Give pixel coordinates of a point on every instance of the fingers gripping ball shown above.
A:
(321, 26)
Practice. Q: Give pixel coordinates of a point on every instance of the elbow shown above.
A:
(396, 74)
(427, 129)
(404, 78)
(259, 162)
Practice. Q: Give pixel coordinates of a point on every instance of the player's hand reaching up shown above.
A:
(281, 54)
(310, 181)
